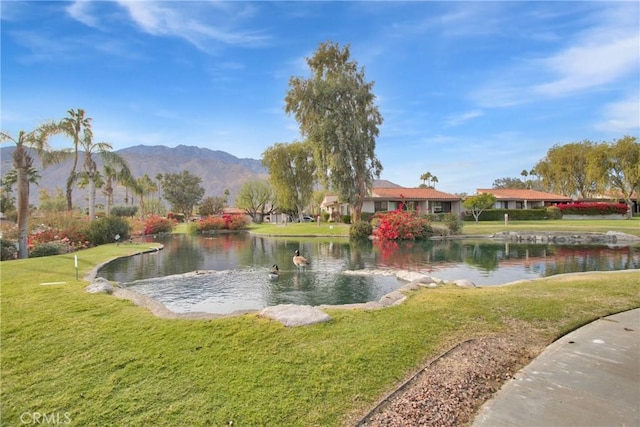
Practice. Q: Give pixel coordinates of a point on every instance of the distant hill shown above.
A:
(217, 169)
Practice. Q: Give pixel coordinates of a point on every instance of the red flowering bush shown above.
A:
(593, 208)
(402, 225)
(70, 239)
(223, 222)
(235, 222)
(210, 223)
(158, 224)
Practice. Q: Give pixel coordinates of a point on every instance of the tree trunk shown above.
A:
(22, 162)
(92, 198)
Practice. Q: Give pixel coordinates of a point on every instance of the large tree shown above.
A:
(78, 127)
(565, 170)
(23, 164)
(183, 191)
(291, 174)
(256, 198)
(336, 112)
(619, 165)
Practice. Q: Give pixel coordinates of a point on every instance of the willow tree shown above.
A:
(619, 165)
(23, 164)
(78, 127)
(335, 110)
(565, 170)
(291, 174)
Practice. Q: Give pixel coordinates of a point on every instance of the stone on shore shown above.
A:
(295, 315)
(100, 285)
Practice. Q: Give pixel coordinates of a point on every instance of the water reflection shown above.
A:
(237, 267)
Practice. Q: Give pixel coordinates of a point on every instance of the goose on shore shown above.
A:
(274, 273)
(299, 260)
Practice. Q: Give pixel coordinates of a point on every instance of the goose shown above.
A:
(299, 260)
(274, 273)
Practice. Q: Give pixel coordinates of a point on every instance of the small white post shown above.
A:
(75, 262)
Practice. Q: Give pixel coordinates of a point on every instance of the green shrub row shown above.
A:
(514, 214)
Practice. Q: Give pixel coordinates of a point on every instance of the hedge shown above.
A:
(514, 214)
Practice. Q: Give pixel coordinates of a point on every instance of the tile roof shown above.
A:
(412, 194)
(523, 194)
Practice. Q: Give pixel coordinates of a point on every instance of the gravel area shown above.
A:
(452, 388)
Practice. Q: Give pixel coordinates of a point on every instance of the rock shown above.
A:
(100, 285)
(410, 276)
(295, 315)
(464, 283)
(392, 298)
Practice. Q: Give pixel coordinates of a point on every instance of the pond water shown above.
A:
(229, 272)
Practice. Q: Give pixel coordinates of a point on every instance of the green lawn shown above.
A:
(104, 361)
(631, 226)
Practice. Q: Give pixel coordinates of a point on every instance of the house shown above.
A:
(384, 199)
(513, 198)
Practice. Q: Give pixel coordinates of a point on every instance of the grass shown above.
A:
(631, 226)
(105, 361)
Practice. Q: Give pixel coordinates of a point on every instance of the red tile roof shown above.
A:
(524, 194)
(412, 194)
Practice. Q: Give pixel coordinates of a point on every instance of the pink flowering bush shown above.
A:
(223, 222)
(402, 225)
(158, 224)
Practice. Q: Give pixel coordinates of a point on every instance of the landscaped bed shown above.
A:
(98, 360)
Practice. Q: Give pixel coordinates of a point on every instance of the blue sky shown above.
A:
(469, 91)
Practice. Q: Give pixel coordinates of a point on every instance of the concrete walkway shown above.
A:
(590, 377)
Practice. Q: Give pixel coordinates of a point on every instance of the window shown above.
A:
(380, 206)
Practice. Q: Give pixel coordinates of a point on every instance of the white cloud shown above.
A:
(80, 11)
(600, 56)
(621, 117)
(459, 119)
(191, 21)
(589, 65)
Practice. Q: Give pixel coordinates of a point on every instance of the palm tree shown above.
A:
(90, 168)
(77, 127)
(145, 186)
(115, 169)
(425, 177)
(23, 164)
(434, 180)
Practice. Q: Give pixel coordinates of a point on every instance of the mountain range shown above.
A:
(218, 170)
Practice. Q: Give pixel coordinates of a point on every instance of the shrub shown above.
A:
(593, 208)
(158, 224)
(554, 212)
(324, 216)
(8, 250)
(514, 214)
(360, 230)
(366, 216)
(104, 230)
(124, 211)
(47, 249)
(402, 225)
(345, 219)
(235, 222)
(453, 223)
(210, 223)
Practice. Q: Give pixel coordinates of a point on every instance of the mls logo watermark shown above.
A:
(40, 418)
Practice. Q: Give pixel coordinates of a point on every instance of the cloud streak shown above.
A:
(170, 19)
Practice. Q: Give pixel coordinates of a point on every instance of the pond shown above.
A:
(229, 272)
